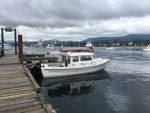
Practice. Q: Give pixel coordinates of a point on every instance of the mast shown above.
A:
(124, 42)
(110, 41)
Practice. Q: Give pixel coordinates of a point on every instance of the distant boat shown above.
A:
(110, 47)
(89, 44)
(6, 47)
(147, 48)
(124, 44)
(50, 46)
(25, 47)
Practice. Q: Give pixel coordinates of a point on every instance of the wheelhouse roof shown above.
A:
(71, 53)
(76, 53)
(75, 49)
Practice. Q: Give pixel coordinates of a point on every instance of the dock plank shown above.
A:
(10, 66)
(15, 72)
(11, 77)
(16, 80)
(13, 90)
(19, 105)
(24, 109)
(16, 93)
(15, 85)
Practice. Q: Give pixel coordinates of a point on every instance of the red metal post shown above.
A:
(20, 48)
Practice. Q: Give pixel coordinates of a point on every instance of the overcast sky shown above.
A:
(75, 19)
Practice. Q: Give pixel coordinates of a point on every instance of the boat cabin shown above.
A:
(74, 62)
(75, 59)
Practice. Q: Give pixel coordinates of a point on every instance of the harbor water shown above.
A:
(123, 87)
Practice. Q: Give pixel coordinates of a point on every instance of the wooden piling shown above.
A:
(20, 48)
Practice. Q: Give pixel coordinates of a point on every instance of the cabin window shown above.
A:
(63, 58)
(85, 58)
(75, 59)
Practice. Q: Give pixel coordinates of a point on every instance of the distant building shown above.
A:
(40, 42)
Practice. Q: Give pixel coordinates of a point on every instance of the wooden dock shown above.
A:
(18, 89)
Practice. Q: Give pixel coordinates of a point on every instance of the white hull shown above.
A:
(66, 71)
(25, 47)
(110, 48)
(146, 49)
(89, 44)
(7, 47)
(51, 47)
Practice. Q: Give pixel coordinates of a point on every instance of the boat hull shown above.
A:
(7, 47)
(64, 71)
(146, 49)
(110, 48)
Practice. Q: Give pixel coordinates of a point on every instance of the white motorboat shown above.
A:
(75, 62)
(50, 46)
(7, 46)
(147, 48)
(25, 47)
(110, 48)
(89, 44)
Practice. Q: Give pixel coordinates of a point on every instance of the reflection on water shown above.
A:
(75, 85)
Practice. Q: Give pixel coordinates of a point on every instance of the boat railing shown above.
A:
(102, 56)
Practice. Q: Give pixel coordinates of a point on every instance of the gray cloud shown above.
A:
(67, 13)
(76, 19)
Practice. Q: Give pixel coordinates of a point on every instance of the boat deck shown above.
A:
(17, 90)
